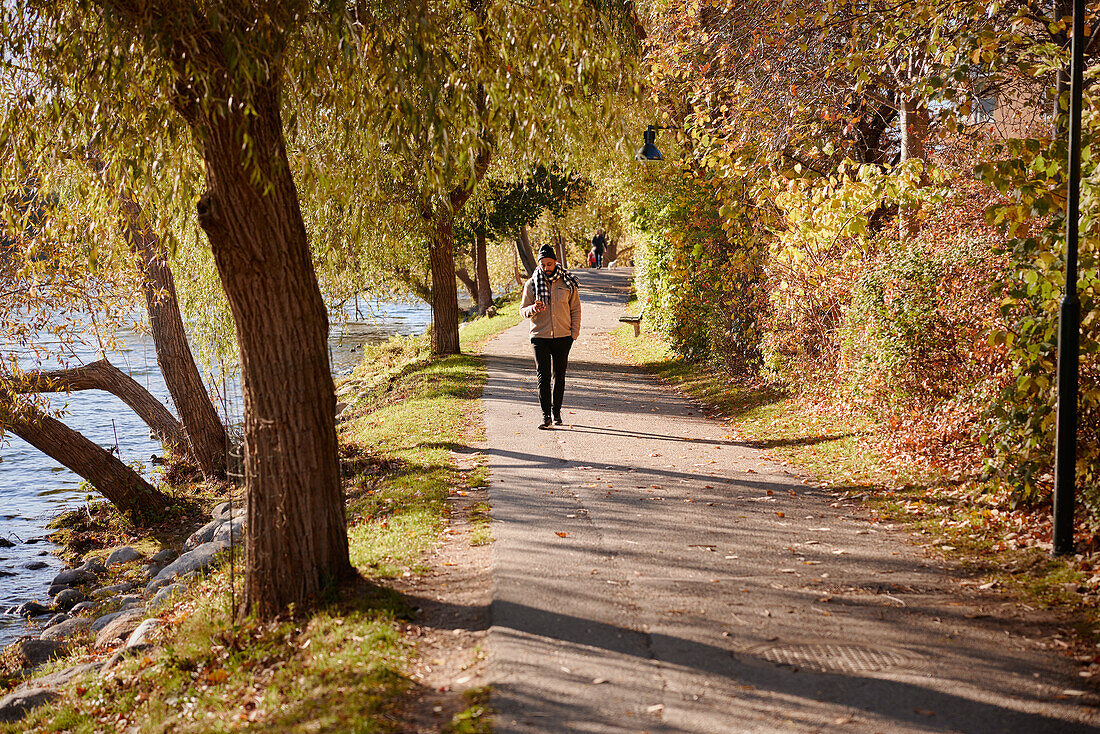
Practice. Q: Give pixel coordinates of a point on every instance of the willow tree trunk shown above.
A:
(560, 247)
(526, 255)
(444, 294)
(102, 375)
(205, 432)
(441, 254)
(467, 280)
(481, 271)
(120, 484)
(296, 540)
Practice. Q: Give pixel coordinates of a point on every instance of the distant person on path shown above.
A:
(591, 258)
(599, 244)
(552, 300)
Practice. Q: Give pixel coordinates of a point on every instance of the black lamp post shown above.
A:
(1069, 321)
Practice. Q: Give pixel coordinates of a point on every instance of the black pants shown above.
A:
(599, 258)
(551, 358)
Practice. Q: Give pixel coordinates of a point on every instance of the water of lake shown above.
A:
(34, 488)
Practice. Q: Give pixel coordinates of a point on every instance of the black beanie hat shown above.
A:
(547, 251)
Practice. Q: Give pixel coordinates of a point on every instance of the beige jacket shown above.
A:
(563, 318)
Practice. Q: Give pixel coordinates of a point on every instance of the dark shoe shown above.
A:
(557, 419)
(546, 422)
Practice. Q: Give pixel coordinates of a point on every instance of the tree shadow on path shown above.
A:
(764, 688)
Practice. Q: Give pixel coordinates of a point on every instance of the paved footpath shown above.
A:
(652, 575)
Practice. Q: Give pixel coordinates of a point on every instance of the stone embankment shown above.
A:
(117, 619)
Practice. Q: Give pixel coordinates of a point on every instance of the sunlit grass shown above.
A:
(480, 520)
(411, 412)
(420, 418)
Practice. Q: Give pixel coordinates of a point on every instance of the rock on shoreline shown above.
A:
(76, 602)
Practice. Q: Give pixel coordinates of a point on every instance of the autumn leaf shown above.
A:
(560, 534)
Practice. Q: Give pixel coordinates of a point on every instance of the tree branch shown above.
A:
(102, 375)
(467, 280)
(120, 484)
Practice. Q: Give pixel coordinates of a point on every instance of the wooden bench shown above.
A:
(635, 320)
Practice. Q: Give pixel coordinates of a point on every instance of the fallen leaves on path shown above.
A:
(561, 534)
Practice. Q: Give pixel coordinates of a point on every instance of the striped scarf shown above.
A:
(543, 281)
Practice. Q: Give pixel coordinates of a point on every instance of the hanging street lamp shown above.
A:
(1069, 318)
(648, 151)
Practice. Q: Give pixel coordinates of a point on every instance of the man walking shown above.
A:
(552, 301)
